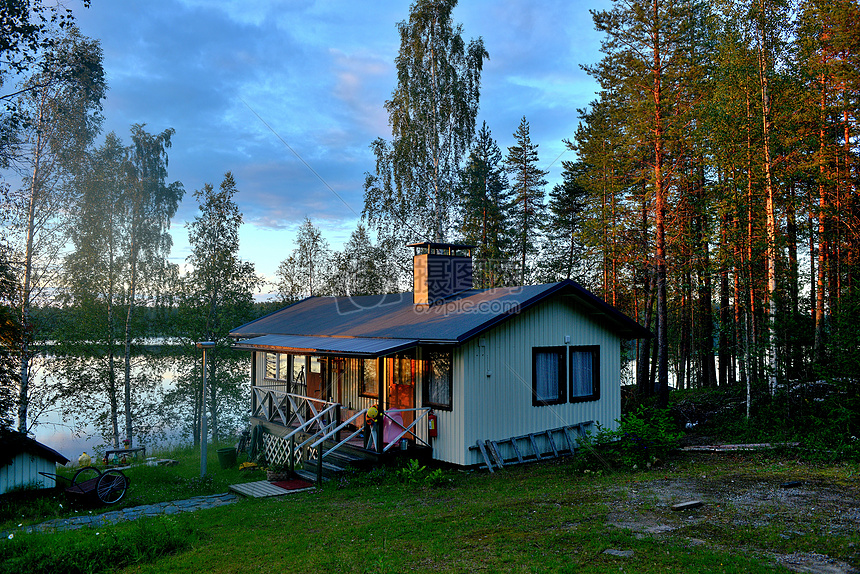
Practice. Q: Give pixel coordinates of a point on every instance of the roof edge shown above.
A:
(630, 329)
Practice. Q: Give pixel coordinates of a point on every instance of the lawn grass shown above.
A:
(550, 517)
(147, 485)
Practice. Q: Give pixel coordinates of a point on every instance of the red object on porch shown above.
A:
(294, 484)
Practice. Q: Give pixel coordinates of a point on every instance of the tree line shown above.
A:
(714, 194)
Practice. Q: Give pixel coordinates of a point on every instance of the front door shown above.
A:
(401, 377)
(317, 387)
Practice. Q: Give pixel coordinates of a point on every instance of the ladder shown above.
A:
(535, 446)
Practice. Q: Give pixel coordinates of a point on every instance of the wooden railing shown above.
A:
(314, 421)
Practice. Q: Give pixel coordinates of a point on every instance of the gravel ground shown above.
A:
(800, 507)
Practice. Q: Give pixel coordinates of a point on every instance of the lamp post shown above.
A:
(204, 431)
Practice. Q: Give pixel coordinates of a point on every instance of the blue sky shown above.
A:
(318, 73)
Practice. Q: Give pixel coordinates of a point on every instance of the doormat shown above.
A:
(294, 484)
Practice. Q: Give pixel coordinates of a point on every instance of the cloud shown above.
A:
(318, 73)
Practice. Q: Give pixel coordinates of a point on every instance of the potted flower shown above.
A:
(278, 471)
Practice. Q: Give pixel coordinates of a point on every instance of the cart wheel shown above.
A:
(85, 474)
(111, 486)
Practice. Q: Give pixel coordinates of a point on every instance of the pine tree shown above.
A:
(484, 206)
(565, 249)
(528, 209)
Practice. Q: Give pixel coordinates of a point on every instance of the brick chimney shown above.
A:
(440, 270)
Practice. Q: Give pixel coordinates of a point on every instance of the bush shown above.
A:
(643, 437)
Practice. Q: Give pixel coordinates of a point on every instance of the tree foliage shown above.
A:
(485, 205)
(306, 271)
(528, 210)
(432, 114)
(60, 105)
(216, 296)
(720, 169)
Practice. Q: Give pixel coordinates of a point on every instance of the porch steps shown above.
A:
(532, 447)
(338, 462)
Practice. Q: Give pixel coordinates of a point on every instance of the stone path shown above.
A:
(132, 513)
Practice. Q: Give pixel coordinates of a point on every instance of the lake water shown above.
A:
(51, 430)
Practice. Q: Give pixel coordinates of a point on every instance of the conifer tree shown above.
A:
(565, 247)
(528, 209)
(484, 207)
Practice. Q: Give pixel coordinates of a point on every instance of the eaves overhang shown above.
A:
(360, 347)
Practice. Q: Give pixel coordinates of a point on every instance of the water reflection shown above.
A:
(163, 398)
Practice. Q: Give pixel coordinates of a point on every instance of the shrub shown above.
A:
(642, 438)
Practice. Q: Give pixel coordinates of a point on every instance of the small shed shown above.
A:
(22, 459)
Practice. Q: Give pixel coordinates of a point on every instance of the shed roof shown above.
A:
(13, 443)
(394, 316)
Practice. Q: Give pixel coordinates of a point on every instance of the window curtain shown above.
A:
(581, 374)
(439, 384)
(546, 373)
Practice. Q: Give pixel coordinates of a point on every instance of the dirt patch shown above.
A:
(797, 508)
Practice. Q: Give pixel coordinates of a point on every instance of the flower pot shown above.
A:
(277, 475)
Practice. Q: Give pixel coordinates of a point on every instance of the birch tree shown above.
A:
(149, 204)
(432, 115)
(217, 295)
(305, 272)
(59, 106)
(94, 283)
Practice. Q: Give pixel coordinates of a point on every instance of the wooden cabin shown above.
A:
(449, 367)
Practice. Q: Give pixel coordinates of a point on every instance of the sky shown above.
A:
(289, 94)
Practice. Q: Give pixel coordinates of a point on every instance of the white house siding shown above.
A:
(498, 405)
(24, 471)
(448, 443)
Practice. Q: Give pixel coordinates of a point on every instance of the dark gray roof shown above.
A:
(13, 443)
(348, 346)
(394, 316)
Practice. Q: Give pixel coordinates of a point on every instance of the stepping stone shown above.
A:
(619, 553)
(689, 505)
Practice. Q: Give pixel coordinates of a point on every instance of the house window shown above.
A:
(299, 372)
(438, 380)
(283, 367)
(584, 373)
(271, 366)
(369, 379)
(548, 376)
(401, 370)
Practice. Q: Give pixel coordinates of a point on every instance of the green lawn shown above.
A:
(551, 517)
